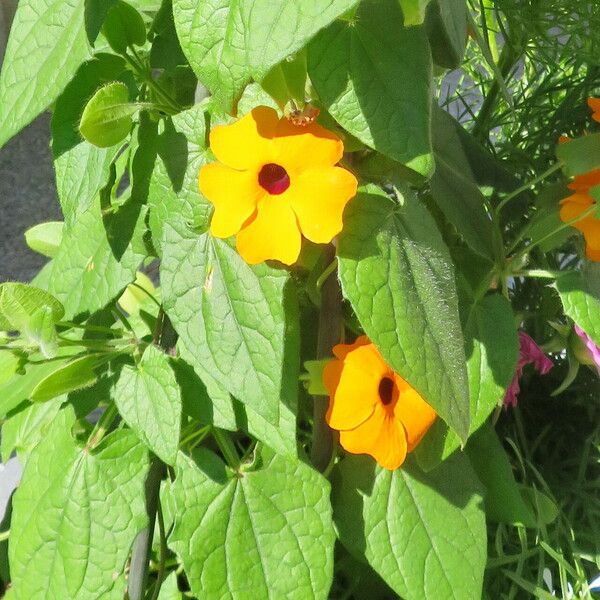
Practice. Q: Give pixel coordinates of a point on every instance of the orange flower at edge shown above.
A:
(275, 182)
(374, 409)
(594, 104)
(572, 206)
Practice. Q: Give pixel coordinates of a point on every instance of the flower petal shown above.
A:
(573, 206)
(381, 436)
(413, 412)
(318, 196)
(594, 104)
(590, 227)
(353, 399)
(271, 234)
(583, 183)
(247, 143)
(301, 147)
(234, 195)
(341, 350)
(511, 398)
(531, 353)
(592, 254)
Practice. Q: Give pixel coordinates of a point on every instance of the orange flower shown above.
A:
(580, 201)
(274, 183)
(594, 104)
(373, 408)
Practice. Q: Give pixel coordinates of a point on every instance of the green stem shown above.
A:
(331, 267)
(117, 313)
(99, 345)
(330, 328)
(484, 286)
(102, 426)
(163, 552)
(95, 328)
(539, 273)
(137, 285)
(138, 64)
(227, 448)
(4, 535)
(555, 167)
(142, 546)
(507, 59)
(198, 433)
(138, 571)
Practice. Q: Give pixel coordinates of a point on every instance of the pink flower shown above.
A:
(529, 353)
(594, 351)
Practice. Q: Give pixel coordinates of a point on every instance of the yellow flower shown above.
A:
(374, 409)
(275, 182)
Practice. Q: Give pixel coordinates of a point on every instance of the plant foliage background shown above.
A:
(151, 380)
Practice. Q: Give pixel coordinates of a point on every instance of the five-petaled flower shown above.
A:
(374, 409)
(275, 182)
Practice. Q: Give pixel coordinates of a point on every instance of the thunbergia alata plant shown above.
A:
(283, 310)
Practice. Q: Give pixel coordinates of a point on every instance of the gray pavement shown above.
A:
(27, 197)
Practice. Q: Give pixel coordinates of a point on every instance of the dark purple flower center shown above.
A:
(274, 179)
(386, 390)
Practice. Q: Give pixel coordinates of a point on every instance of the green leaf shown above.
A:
(356, 68)
(424, 534)
(106, 118)
(580, 155)
(45, 238)
(208, 402)
(95, 13)
(166, 52)
(396, 272)
(545, 508)
(492, 349)
(169, 589)
(173, 192)
(149, 400)
(70, 376)
(454, 190)
(138, 295)
(123, 27)
(76, 513)
(580, 303)
(81, 168)
(229, 42)
(19, 302)
(266, 533)
(413, 11)
(287, 80)
(212, 407)
(40, 331)
(446, 26)
(87, 273)
(503, 501)
(22, 432)
(230, 317)
(19, 387)
(47, 44)
(9, 364)
(546, 224)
